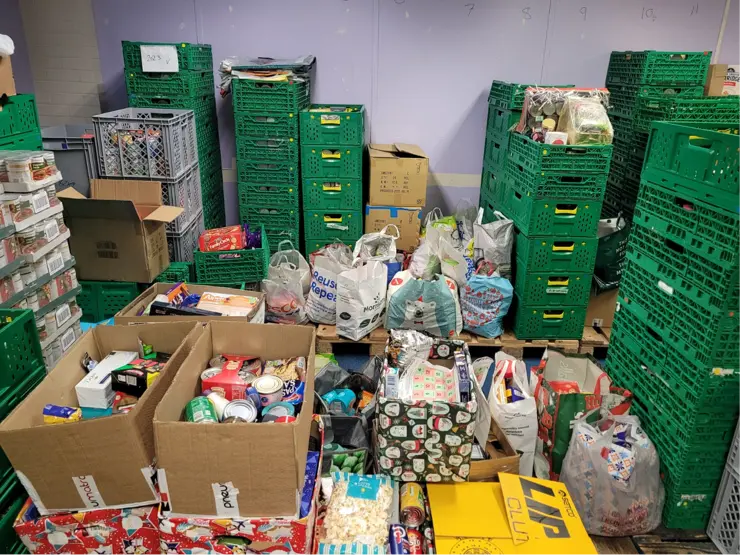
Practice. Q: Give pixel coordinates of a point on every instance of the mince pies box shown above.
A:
(118, 233)
(261, 464)
(100, 462)
(128, 315)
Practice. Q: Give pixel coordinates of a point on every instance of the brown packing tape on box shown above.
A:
(261, 465)
(104, 457)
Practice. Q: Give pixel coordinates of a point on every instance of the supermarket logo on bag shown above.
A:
(320, 286)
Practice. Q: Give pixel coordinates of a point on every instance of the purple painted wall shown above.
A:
(12, 25)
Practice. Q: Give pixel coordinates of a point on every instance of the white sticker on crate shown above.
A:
(40, 202)
(67, 339)
(225, 495)
(63, 314)
(55, 262)
(159, 58)
(88, 491)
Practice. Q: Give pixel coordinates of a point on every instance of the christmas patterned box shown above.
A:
(428, 440)
(97, 531)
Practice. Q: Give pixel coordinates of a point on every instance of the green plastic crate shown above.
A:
(650, 67)
(207, 136)
(271, 216)
(270, 96)
(496, 154)
(176, 272)
(548, 322)
(548, 289)
(550, 254)
(276, 236)
(718, 109)
(210, 167)
(22, 141)
(8, 537)
(100, 300)
(556, 185)
(688, 510)
(12, 394)
(494, 189)
(333, 125)
(622, 97)
(278, 173)
(510, 96)
(254, 125)
(203, 106)
(190, 57)
(700, 156)
(704, 228)
(257, 196)
(213, 211)
(233, 266)
(18, 115)
(21, 351)
(331, 162)
(184, 83)
(552, 217)
(312, 244)
(273, 149)
(500, 120)
(541, 157)
(328, 194)
(333, 224)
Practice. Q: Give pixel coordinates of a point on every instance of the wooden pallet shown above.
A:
(327, 339)
(662, 540)
(595, 341)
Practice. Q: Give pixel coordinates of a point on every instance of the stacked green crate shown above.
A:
(332, 144)
(653, 86)
(674, 341)
(192, 87)
(21, 370)
(19, 124)
(267, 154)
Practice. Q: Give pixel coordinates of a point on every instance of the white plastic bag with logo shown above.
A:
(285, 302)
(379, 246)
(517, 419)
(361, 300)
(327, 263)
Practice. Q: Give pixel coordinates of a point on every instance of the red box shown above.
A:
(229, 383)
(98, 531)
(223, 239)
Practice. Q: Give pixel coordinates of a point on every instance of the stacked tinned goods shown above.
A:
(332, 143)
(652, 86)
(191, 87)
(267, 153)
(674, 341)
(554, 193)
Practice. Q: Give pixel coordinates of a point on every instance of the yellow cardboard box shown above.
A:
(516, 515)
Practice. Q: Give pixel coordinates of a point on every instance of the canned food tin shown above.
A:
(41, 327)
(398, 540)
(56, 349)
(278, 409)
(200, 410)
(17, 282)
(60, 222)
(27, 240)
(270, 389)
(51, 192)
(28, 274)
(40, 267)
(416, 541)
(66, 254)
(254, 396)
(51, 163)
(219, 404)
(33, 302)
(73, 277)
(243, 408)
(412, 504)
(284, 419)
(234, 420)
(209, 373)
(217, 362)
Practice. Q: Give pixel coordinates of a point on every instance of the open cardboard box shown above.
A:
(118, 233)
(503, 458)
(398, 175)
(260, 465)
(101, 462)
(128, 315)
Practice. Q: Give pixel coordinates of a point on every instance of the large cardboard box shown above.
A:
(601, 307)
(502, 458)
(398, 175)
(407, 220)
(260, 465)
(722, 80)
(118, 233)
(103, 462)
(128, 315)
(7, 83)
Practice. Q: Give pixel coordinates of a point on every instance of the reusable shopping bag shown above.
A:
(380, 246)
(361, 299)
(284, 299)
(485, 300)
(327, 263)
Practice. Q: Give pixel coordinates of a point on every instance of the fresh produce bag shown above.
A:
(485, 300)
(327, 263)
(379, 246)
(566, 388)
(610, 254)
(494, 242)
(431, 306)
(514, 408)
(361, 299)
(284, 299)
(612, 472)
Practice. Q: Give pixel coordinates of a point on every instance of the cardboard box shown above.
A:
(398, 175)
(600, 312)
(261, 465)
(98, 531)
(504, 459)
(517, 515)
(98, 463)
(407, 220)
(715, 80)
(128, 315)
(119, 233)
(7, 83)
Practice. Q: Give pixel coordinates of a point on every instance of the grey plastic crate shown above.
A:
(75, 154)
(724, 524)
(145, 142)
(185, 192)
(182, 245)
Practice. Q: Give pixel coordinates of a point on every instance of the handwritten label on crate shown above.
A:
(67, 339)
(55, 262)
(63, 314)
(40, 202)
(51, 230)
(159, 59)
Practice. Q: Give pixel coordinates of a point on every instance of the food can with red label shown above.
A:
(412, 504)
(416, 541)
